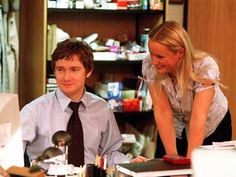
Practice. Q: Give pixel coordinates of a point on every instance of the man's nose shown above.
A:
(67, 74)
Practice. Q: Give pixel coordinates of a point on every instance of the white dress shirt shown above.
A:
(49, 113)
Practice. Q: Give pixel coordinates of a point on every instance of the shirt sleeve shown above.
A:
(148, 70)
(27, 120)
(112, 142)
(206, 68)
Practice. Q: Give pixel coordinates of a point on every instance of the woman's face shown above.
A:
(164, 59)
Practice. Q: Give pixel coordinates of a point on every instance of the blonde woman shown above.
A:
(189, 106)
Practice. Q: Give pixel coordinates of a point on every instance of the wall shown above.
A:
(32, 29)
(176, 12)
(212, 27)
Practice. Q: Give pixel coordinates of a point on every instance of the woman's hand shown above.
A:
(139, 159)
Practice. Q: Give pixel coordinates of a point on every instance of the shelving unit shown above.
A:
(130, 69)
(34, 17)
(107, 23)
(134, 118)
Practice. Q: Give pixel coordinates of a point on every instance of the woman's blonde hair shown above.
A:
(174, 36)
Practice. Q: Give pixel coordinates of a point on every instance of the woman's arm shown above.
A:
(163, 118)
(197, 126)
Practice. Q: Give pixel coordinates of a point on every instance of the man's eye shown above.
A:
(75, 69)
(59, 69)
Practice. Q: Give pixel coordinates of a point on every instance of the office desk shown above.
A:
(152, 168)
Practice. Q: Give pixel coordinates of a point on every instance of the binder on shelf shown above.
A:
(151, 168)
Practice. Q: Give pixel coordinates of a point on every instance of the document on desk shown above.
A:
(151, 168)
(224, 145)
(221, 145)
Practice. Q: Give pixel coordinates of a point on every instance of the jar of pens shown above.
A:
(97, 169)
(54, 160)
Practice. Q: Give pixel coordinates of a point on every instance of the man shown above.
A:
(3, 172)
(72, 62)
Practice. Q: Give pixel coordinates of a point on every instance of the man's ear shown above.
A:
(88, 74)
(181, 52)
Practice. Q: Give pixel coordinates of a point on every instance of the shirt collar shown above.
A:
(64, 101)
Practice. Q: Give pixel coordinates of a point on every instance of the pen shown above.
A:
(105, 162)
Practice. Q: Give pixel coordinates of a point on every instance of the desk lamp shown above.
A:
(61, 140)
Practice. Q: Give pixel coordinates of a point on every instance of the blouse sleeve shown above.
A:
(206, 68)
(148, 70)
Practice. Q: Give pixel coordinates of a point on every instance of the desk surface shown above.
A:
(152, 168)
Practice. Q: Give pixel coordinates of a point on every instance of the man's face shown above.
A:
(71, 76)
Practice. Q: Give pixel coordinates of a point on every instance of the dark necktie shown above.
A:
(75, 129)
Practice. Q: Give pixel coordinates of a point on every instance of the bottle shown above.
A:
(145, 4)
(144, 38)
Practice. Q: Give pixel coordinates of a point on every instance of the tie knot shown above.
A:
(74, 106)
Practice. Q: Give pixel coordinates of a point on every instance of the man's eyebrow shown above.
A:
(76, 67)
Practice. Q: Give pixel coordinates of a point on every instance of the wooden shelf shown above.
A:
(134, 114)
(126, 11)
(125, 62)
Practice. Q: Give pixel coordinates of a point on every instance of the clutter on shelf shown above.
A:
(107, 4)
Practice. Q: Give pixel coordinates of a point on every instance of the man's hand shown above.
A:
(3, 173)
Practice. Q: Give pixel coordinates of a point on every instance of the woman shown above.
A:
(189, 106)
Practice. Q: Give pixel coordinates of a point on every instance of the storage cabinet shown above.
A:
(108, 24)
(34, 17)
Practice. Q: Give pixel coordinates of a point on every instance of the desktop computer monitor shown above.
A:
(213, 163)
(11, 146)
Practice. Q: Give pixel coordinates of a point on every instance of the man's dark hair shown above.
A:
(69, 47)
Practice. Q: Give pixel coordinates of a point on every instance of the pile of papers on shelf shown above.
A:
(51, 84)
(111, 50)
(136, 56)
(105, 56)
(112, 56)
